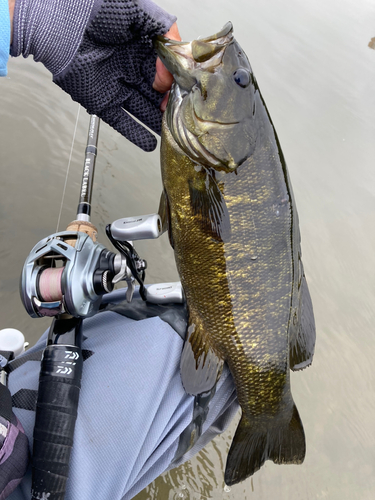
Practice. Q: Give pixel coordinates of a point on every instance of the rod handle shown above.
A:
(56, 414)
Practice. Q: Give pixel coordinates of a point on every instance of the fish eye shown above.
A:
(242, 77)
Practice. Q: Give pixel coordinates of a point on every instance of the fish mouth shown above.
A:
(186, 61)
(183, 58)
(208, 122)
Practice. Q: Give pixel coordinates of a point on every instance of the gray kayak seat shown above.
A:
(135, 420)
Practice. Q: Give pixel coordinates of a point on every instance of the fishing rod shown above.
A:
(65, 277)
(61, 365)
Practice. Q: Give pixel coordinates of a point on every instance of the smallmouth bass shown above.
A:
(231, 217)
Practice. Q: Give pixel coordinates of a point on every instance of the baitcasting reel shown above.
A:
(69, 272)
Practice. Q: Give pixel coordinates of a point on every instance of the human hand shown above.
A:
(104, 57)
(163, 78)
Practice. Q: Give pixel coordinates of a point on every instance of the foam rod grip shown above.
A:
(56, 414)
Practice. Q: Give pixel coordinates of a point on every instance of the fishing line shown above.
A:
(67, 171)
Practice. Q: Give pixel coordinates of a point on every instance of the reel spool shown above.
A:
(60, 278)
(49, 284)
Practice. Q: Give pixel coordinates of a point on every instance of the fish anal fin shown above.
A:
(302, 344)
(283, 442)
(208, 205)
(200, 366)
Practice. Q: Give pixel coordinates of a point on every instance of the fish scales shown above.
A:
(245, 309)
(234, 229)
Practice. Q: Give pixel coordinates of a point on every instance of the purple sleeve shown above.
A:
(14, 455)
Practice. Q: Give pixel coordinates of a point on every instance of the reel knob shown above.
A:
(164, 293)
(143, 227)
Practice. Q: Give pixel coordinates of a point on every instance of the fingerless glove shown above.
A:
(101, 53)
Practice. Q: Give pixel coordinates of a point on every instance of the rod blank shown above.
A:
(84, 207)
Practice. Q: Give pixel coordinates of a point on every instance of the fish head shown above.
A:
(211, 107)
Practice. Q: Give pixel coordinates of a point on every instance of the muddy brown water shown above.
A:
(316, 68)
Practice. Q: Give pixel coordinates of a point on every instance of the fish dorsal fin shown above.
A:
(302, 340)
(208, 204)
(200, 366)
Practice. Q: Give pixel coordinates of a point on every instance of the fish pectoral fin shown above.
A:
(200, 367)
(208, 205)
(164, 214)
(283, 442)
(302, 344)
(163, 211)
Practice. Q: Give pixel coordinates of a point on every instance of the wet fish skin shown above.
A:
(234, 228)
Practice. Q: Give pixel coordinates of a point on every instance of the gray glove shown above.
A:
(101, 53)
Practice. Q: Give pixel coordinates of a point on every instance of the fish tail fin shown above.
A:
(283, 443)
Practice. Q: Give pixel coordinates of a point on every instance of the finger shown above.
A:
(163, 78)
(121, 121)
(140, 107)
(164, 102)
(173, 33)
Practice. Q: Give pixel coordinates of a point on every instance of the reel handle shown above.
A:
(56, 412)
